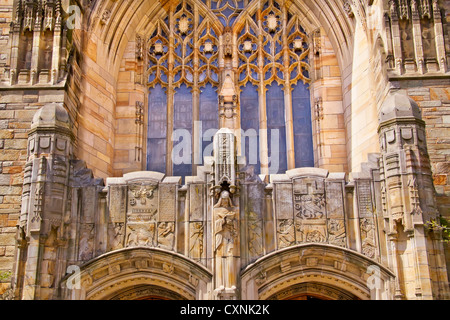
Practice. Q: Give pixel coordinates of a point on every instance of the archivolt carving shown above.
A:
(314, 263)
(139, 268)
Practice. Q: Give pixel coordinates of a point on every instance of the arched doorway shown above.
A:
(316, 271)
(139, 273)
(147, 292)
(313, 291)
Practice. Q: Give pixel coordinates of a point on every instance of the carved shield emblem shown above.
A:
(61, 144)
(31, 144)
(390, 136)
(406, 133)
(44, 142)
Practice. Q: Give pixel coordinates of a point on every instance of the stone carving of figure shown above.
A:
(141, 235)
(225, 241)
(117, 242)
(285, 233)
(336, 231)
(226, 231)
(166, 235)
(368, 238)
(196, 242)
(224, 200)
(87, 242)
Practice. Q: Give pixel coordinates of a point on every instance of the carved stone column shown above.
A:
(408, 198)
(46, 186)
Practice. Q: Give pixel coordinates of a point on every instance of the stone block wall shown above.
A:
(129, 147)
(329, 136)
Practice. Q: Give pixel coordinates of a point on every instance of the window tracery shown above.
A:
(188, 49)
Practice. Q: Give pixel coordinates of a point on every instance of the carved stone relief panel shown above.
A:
(366, 218)
(253, 215)
(142, 203)
(285, 233)
(166, 235)
(116, 235)
(309, 210)
(117, 203)
(196, 240)
(196, 200)
(254, 235)
(167, 202)
(86, 242)
(283, 194)
(142, 214)
(141, 234)
(335, 213)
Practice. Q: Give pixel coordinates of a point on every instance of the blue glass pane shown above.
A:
(250, 126)
(276, 133)
(301, 111)
(209, 119)
(182, 126)
(157, 130)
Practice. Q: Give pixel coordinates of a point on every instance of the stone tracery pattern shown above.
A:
(275, 49)
(183, 49)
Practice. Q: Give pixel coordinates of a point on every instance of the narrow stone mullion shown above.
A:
(263, 145)
(196, 129)
(288, 113)
(170, 94)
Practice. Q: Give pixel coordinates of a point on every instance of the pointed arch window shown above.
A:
(186, 60)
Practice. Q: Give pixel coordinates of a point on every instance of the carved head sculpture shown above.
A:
(224, 200)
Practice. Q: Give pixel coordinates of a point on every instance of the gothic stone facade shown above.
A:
(83, 216)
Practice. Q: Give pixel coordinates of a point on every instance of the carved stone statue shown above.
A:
(226, 243)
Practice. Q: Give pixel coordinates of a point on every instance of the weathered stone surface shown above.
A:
(371, 114)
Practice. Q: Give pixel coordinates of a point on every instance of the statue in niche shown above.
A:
(224, 200)
(226, 231)
(27, 57)
(225, 240)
